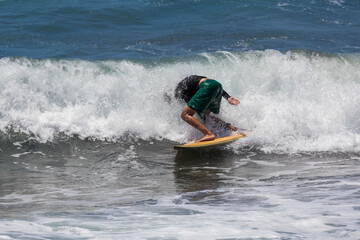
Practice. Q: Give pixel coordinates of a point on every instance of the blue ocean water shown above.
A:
(87, 128)
(95, 30)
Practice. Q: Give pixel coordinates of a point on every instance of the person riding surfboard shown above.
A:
(202, 95)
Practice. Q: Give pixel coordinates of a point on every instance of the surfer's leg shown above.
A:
(188, 116)
(220, 121)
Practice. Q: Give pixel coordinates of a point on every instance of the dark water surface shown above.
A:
(87, 189)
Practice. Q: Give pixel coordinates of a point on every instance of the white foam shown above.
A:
(17, 155)
(294, 101)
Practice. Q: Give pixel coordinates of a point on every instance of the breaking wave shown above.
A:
(293, 101)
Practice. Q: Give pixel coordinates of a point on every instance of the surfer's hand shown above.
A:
(231, 127)
(233, 101)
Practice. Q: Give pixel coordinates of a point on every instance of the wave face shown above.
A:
(294, 101)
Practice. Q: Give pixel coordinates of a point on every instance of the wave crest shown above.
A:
(294, 101)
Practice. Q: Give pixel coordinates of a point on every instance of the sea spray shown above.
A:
(293, 101)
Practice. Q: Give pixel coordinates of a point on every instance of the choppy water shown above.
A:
(86, 134)
(141, 190)
(159, 28)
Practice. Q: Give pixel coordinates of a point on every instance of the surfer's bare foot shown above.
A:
(207, 138)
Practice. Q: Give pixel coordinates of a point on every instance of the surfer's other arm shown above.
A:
(220, 121)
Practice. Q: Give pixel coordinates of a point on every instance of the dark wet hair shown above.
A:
(187, 87)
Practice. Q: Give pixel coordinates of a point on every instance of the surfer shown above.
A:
(202, 95)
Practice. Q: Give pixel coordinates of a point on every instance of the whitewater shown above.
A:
(295, 101)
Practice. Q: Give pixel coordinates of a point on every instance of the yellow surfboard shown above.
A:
(217, 141)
